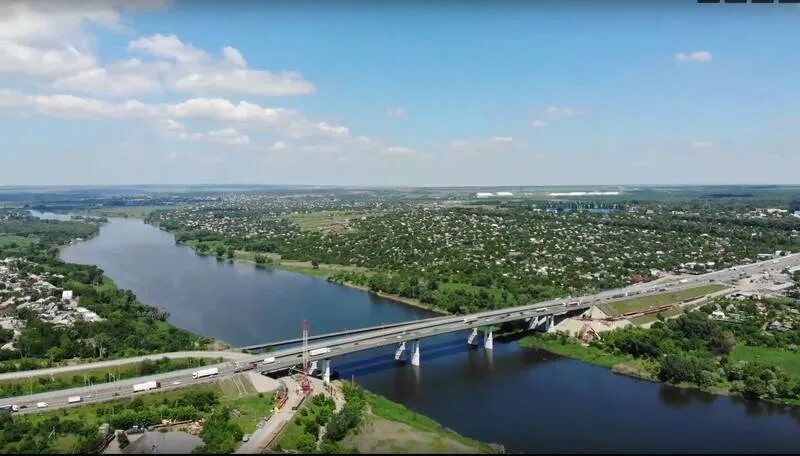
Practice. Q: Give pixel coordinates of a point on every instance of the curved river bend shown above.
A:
(524, 399)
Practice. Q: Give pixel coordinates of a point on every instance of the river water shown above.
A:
(526, 400)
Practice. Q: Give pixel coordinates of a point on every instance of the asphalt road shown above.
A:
(350, 343)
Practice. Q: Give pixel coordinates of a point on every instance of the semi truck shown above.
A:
(146, 386)
(319, 351)
(9, 408)
(74, 399)
(205, 373)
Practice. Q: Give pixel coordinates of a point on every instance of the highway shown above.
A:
(359, 340)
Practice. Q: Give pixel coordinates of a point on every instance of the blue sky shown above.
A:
(400, 93)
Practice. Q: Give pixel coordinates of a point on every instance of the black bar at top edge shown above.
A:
(735, 1)
(762, 1)
(707, 1)
(788, 1)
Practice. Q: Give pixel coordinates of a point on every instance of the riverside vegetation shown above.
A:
(753, 352)
(472, 257)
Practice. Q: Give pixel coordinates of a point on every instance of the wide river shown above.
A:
(524, 399)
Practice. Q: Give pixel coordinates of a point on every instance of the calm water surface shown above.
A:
(524, 399)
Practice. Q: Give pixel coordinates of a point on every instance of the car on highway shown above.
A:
(42, 405)
(176, 382)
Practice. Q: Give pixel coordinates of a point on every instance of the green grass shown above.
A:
(786, 359)
(572, 349)
(294, 436)
(253, 409)
(590, 354)
(667, 313)
(126, 211)
(324, 220)
(392, 411)
(647, 302)
(21, 241)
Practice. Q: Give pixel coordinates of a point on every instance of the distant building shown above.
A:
(504, 194)
(66, 295)
(484, 194)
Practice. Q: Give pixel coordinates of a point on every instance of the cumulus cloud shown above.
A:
(23, 60)
(233, 56)
(239, 80)
(177, 130)
(120, 80)
(562, 111)
(168, 46)
(398, 151)
(396, 113)
(696, 56)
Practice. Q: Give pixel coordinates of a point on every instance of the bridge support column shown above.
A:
(534, 322)
(415, 355)
(326, 371)
(488, 340)
(549, 323)
(474, 335)
(400, 353)
(312, 368)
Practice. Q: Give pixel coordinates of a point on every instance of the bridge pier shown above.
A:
(534, 322)
(312, 368)
(326, 371)
(488, 340)
(415, 355)
(474, 335)
(400, 353)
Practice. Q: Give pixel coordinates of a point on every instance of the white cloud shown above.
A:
(702, 144)
(77, 107)
(696, 56)
(54, 23)
(168, 46)
(398, 151)
(494, 144)
(233, 56)
(396, 113)
(279, 145)
(562, 111)
(177, 130)
(12, 99)
(23, 60)
(239, 80)
(120, 81)
(538, 124)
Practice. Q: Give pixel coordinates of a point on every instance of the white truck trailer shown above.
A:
(146, 386)
(205, 373)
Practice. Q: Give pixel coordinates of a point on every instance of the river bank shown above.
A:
(627, 365)
(321, 271)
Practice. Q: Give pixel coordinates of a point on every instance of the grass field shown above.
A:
(324, 220)
(648, 302)
(788, 360)
(675, 311)
(439, 435)
(8, 239)
(125, 211)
